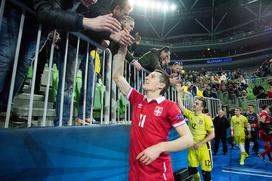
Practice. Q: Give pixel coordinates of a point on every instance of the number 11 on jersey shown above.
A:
(142, 120)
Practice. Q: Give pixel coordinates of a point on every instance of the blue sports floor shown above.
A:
(227, 167)
(97, 153)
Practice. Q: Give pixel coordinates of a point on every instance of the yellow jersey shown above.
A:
(199, 125)
(239, 124)
(97, 61)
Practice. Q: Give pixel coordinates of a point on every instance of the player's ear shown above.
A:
(161, 86)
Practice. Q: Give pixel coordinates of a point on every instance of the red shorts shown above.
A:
(158, 170)
(265, 137)
(152, 177)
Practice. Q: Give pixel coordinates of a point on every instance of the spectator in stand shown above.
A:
(155, 59)
(209, 92)
(265, 69)
(259, 92)
(137, 42)
(176, 70)
(175, 73)
(127, 24)
(118, 9)
(223, 77)
(244, 94)
(191, 88)
(53, 14)
(94, 61)
(221, 124)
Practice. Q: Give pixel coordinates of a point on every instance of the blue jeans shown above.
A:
(8, 41)
(89, 89)
(69, 82)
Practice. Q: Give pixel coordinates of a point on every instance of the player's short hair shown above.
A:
(250, 105)
(163, 79)
(166, 49)
(204, 104)
(238, 108)
(121, 3)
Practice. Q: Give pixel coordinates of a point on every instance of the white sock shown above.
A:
(242, 148)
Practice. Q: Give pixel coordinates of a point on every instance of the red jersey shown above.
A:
(264, 114)
(151, 123)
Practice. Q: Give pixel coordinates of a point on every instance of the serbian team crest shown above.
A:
(158, 110)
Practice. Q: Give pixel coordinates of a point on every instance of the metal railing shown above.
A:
(213, 105)
(68, 57)
(263, 102)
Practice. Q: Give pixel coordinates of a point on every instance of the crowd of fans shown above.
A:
(265, 69)
(233, 84)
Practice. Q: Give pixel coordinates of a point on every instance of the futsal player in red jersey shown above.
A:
(152, 118)
(265, 132)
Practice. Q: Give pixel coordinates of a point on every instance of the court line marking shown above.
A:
(252, 174)
(249, 170)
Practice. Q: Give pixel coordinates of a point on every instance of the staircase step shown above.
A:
(36, 104)
(27, 88)
(38, 123)
(27, 96)
(23, 112)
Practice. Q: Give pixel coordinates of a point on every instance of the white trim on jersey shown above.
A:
(179, 124)
(129, 93)
(164, 166)
(142, 120)
(159, 99)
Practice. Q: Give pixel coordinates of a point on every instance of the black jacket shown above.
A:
(55, 15)
(221, 125)
(91, 12)
(151, 60)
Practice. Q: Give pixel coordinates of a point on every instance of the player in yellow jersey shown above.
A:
(201, 127)
(238, 125)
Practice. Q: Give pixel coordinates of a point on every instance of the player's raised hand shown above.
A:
(122, 37)
(137, 65)
(102, 23)
(149, 154)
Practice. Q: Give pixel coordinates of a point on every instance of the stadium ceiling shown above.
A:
(207, 19)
